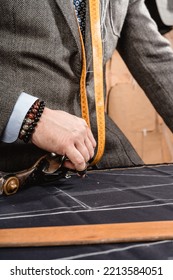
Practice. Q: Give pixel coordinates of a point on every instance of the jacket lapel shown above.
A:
(67, 9)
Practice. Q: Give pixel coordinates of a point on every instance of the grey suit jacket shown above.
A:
(40, 53)
(165, 8)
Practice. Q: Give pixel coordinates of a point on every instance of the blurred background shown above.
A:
(128, 105)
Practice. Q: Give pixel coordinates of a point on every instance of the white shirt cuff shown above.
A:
(23, 104)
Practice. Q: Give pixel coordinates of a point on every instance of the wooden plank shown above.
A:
(86, 234)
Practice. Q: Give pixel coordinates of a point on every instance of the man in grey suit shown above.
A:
(162, 12)
(40, 57)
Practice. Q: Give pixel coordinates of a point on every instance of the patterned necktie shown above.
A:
(80, 8)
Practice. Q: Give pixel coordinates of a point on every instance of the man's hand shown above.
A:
(65, 134)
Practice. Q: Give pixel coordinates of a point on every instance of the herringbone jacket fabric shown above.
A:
(40, 53)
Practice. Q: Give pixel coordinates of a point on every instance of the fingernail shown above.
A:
(82, 173)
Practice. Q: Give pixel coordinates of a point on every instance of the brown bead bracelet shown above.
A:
(31, 119)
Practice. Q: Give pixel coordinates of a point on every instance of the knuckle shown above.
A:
(77, 135)
(79, 161)
(84, 123)
(72, 138)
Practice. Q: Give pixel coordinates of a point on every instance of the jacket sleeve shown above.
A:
(149, 58)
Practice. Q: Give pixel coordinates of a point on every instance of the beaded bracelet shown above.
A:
(31, 119)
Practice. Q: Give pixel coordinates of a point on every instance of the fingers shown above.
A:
(85, 149)
(90, 149)
(80, 153)
(89, 134)
(82, 148)
(65, 134)
(76, 158)
(91, 137)
(68, 164)
(79, 156)
(81, 173)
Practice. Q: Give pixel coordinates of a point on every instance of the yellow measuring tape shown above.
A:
(94, 9)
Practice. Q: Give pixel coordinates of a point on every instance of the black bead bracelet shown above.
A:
(31, 119)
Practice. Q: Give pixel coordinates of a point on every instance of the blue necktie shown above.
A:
(80, 8)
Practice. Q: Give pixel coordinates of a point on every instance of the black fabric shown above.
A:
(107, 196)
